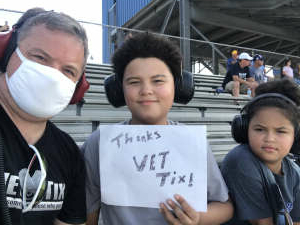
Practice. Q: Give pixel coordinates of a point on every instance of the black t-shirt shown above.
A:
(235, 69)
(64, 196)
(247, 191)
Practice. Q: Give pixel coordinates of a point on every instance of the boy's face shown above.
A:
(148, 86)
(271, 136)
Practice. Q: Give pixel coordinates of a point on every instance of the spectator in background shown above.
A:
(232, 60)
(4, 28)
(257, 69)
(238, 78)
(287, 70)
(297, 73)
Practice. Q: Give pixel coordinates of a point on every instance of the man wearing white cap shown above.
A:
(238, 78)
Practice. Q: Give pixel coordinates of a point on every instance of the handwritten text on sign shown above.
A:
(144, 165)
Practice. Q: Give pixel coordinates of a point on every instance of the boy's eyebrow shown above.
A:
(137, 77)
(260, 125)
(131, 78)
(159, 75)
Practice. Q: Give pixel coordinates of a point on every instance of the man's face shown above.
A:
(245, 62)
(259, 62)
(56, 49)
(234, 56)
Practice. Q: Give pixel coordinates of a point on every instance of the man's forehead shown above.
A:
(41, 29)
(56, 43)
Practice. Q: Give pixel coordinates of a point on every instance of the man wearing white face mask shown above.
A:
(43, 170)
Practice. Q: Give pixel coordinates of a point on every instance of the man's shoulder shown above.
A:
(234, 68)
(57, 131)
(61, 138)
(252, 67)
(229, 60)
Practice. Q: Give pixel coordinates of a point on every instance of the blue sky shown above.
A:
(87, 10)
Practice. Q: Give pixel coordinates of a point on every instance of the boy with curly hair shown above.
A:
(148, 70)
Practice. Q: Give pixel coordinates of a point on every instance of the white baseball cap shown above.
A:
(245, 55)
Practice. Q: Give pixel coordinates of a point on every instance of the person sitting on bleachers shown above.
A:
(263, 182)
(287, 70)
(238, 79)
(147, 79)
(232, 60)
(257, 69)
(297, 73)
(4, 28)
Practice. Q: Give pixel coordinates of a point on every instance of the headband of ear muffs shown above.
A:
(4, 39)
(8, 44)
(184, 89)
(240, 123)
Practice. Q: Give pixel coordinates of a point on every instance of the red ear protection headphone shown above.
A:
(6, 41)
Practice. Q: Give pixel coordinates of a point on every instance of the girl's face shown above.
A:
(148, 87)
(289, 63)
(271, 136)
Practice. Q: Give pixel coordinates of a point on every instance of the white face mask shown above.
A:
(39, 90)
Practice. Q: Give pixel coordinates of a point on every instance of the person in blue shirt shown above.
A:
(232, 60)
(257, 69)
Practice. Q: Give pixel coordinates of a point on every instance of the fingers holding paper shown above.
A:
(182, 213)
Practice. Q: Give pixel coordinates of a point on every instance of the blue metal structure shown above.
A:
(117, 13)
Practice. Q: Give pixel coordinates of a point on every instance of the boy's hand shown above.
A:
(184, 213)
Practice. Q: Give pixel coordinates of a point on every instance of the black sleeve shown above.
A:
(74, 207)
(248, 72)
(234, 70)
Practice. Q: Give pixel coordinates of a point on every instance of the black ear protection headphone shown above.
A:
(8, 44)
(184, 89)
(240, 123)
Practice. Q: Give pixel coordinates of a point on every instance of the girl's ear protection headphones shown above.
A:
(240, 123)
(184, 89)
(8, 44)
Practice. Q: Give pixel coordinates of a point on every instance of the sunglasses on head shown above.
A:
(40, 191)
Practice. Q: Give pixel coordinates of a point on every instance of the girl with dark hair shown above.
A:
(267, 130)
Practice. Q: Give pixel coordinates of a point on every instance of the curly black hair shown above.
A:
(146, 45)
(285, 87)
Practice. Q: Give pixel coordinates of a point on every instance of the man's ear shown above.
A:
(4, 40)
(81, 87)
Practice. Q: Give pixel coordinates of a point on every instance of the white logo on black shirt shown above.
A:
(52, 200)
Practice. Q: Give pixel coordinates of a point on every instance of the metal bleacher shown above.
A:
(206, 108)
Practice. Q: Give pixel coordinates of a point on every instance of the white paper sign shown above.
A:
(145, 165)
